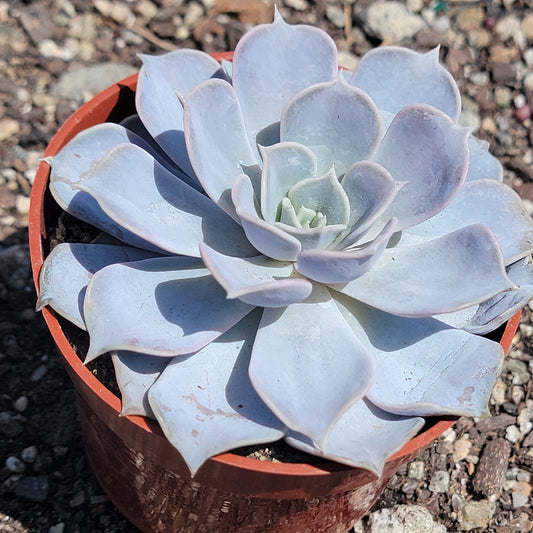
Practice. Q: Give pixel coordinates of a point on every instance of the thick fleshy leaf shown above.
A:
(161, 79)
(424, 367)
(134, 124)
(79, 155)
(216, 139)
(483, 165)
(364, 437)
(256, 280)
(273, 62)
(415, 280)
(160, 208)
(135, 374)
(370, 190)
(342, 266)
(425, 149)
(267, 238)
(487, 202)
(339, 122)
(323, 195)
(321, 368)
(206, 404)
(491, 314)
(164, 306)
(395, 77)
(284, 165)
(67, 270)
(310, 238)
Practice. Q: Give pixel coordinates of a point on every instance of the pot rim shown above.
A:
(81, 119)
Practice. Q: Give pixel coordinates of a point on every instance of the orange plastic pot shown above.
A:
(145, 477)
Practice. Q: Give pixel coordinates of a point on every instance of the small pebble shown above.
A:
(78, 499)
(461, 449)
(38, 373)
(519, 499)
(524, 113)
(417, 470)
(15, 465)
(21, 404)
(58, 528)
(440, 482)
(512, 434)
(29, 454)
(33, 488)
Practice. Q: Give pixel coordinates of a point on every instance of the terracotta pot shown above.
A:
(145, 476)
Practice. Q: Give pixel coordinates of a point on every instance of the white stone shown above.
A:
(8, 128)
(22, 204)
(528, 57)
(476, 514)
(440, 482)
(417, 470)
(508, 27)
(146, 9)
(392, 21)
(525, 421)
(403, 519)
(528, 81)
(415, 6)
(449, 435)
(194, 13)
(513, 434)
(519, 499)
(461, 449)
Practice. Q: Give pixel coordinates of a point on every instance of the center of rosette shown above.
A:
(315, 203)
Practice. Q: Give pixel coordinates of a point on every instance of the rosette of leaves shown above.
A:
(302, 252)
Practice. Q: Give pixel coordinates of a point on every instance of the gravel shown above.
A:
(54, 54)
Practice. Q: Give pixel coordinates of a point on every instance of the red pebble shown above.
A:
(523, 113)
(490, 22)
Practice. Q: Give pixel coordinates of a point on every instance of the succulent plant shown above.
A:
(301, 252)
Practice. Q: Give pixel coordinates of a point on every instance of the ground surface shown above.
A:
(478, 476)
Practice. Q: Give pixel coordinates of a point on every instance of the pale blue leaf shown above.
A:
(370, 189)
(491, 314)
(284, 165)
(483, 165)
(160, 208)
(256, 280)
(322, 195)
(67, 270)
(364, 437)
(487, 202)
(161, 79)
(164, 306)
(78, 156)
(416, 280)
(339, 122)
(135, 374)
(395, 77)
(216, 139)
(342, 266)
(206, 404)
(273, 62)
(427, 151)
(266, 238)
(424, 367)
(321, 368)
